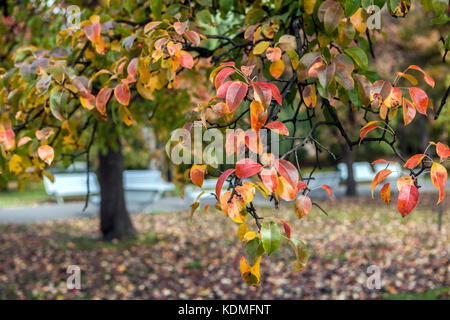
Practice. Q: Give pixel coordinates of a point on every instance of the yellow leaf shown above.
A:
(277, 68)
(261, 47)
(242, 230)
(359, 20)
(125, 115)
(250, 274)
(15, 165)
(308, 5)
(249, 236)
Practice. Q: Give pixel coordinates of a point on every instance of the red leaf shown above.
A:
(380, 176)
(301, 186)
(414, 161)
(278, 127)
(386, 193)
(443, 151)
(303, 205)
(197, 174)
(132, 70)
(193, 37)
(186, 59)
(420, 99)
(407, 199)
(122, 93)
(221, 181)
(222, 91)
(287, 228)
(382, 161)
(235, 94)
(409, 112)
(102, 99)
(246, 168)
(329, 191)
(273, 90)
(365, 130)
(439, 179)
(180, 27)
(270, 179)
(222, 75)
(429, 80)
(288, 171)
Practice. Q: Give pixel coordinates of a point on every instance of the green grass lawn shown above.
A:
(32, 195)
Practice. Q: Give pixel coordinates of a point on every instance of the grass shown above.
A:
(434, 294)
(34, 194)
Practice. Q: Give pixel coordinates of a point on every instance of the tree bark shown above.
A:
(115, 223)
(350, 183)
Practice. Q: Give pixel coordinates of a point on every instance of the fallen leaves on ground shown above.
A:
(173, 258)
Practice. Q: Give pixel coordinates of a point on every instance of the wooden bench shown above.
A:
(141, 186)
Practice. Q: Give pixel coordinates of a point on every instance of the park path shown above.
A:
(73, 210)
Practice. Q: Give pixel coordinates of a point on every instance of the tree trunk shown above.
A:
(350, 183)
(115, 223)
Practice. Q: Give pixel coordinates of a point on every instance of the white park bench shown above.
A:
(331, 179)
(141, 186)
(362, 171)
(191, 192)
(396, 169)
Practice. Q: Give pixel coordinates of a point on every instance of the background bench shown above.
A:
(141, 186)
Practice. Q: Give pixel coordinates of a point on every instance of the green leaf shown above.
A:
(439, 6)
(270, 236)
(156, 6)
(254, 250)
(351, 6)
(358, 55)
(301, 252)
(204, 16)
(225, 6)
(333, 15)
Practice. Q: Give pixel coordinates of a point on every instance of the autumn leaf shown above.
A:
(427, 78)
(235, 94)
(288, 171)
(366, 129)
(287, 228)
(122, 94)
(301, 252)
(442, 151)
(222, 75)
(197, 174)
(180, 27)
(414, 161)
(285, 190)
(273, 54)
(439, 179)
(408, 198)
(185, 59)
(310, 96)
(420, 99)
(380, 176)
(242, 230)
(329, 191)
(250, 274)
(277, 68)
(278, 127)
(409, 112)
(246, 168)
(46, 154)
(221, 181)
(382, 161)
(102, 99)
(270, 178)
(87, 100)
(261, 47)
(258, 115)
(386, 193)
(303, 205)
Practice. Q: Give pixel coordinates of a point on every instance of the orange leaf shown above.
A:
(102, 99)
(409, 112)
(439, 179)
(404, 180)
(23, 140)
(285, 190)
(222, 75)
(407, 199)
(276, 69)
(414, 161)
(270, 179)
(420, 99)
(46, 153)
(180, 27)
(235, 94)
(185, 59)
(288, 171)
(193, 37)
(382, 161)
(443, 151)
(287, 228)
(329, 191)
(303, 205)
(197, 174)
(429, 80)
(273, 54)
(87, 100)
(250, 274)
(122, 93)
(223, 177)
(258, 115)
(246, 168)
(310, 96)
(365, 130)
(278, 127)
(380, 176)
(386, 193)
